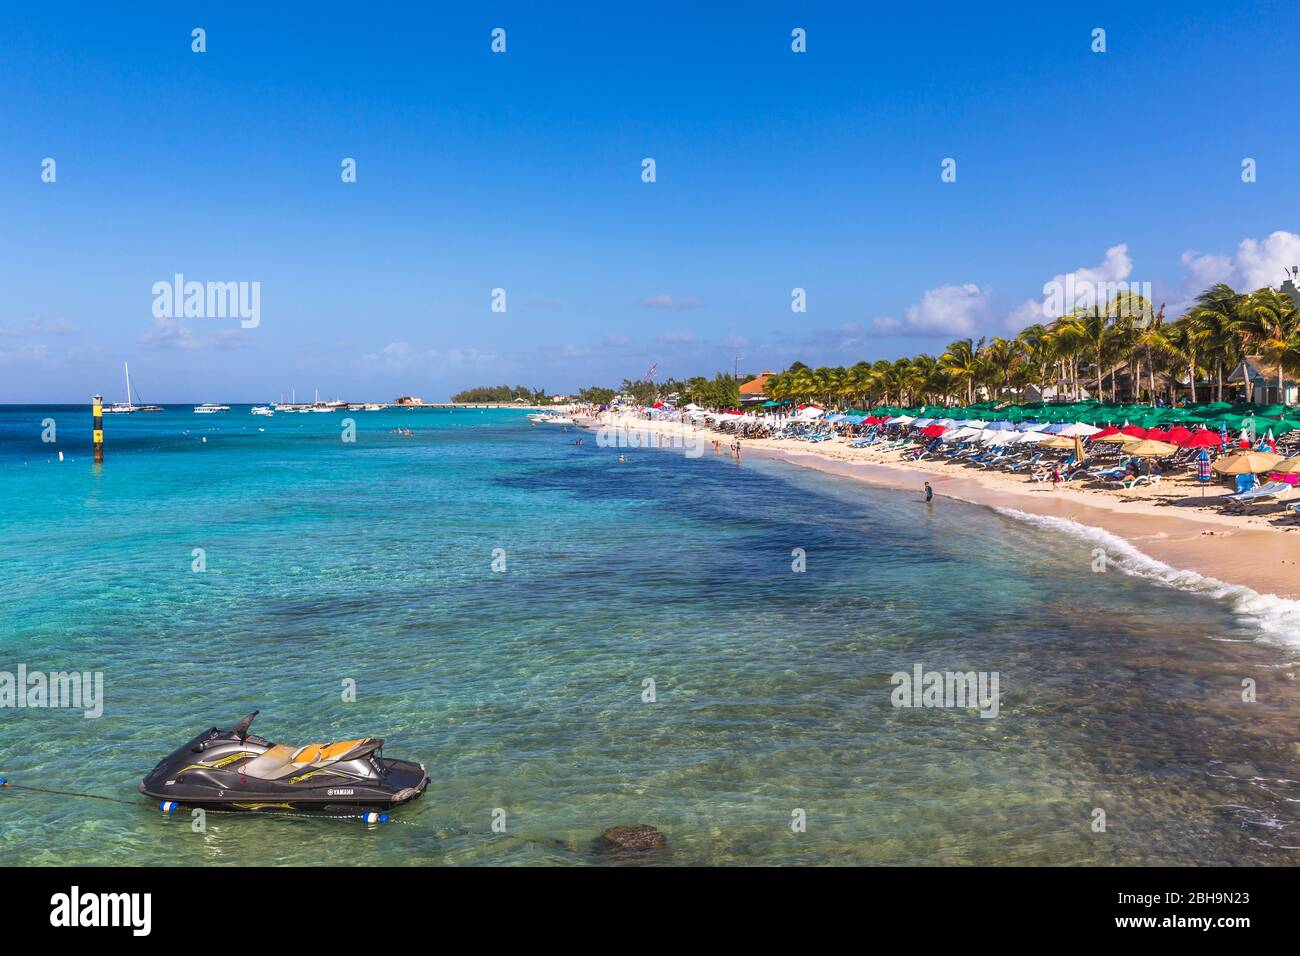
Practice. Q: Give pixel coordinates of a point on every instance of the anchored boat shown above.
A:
(235, 770)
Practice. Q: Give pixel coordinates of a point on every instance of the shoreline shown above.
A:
(1247, 551)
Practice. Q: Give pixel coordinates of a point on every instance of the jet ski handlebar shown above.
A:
(240, 729)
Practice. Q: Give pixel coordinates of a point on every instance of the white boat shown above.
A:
(262, 410)
(123, 408)
(208, 408)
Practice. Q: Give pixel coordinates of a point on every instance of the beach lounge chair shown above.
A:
(1106, 474)
(1129, 483)
(999, 457)
(1270, 490)
(1271, 495)
(1026, 463)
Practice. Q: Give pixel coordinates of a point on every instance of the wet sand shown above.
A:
(1170, 523)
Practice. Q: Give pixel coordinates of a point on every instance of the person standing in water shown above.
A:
(929, 493)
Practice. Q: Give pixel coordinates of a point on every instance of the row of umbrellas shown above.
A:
(1135, 441)
(1280, 418)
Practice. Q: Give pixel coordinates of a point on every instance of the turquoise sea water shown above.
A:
(522, 690)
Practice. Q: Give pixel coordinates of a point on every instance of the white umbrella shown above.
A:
(1030, 438)
(996, 437)
(1078, 428)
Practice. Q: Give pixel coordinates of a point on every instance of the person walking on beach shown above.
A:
(735, 448)
(1056, 477)
(929, 494)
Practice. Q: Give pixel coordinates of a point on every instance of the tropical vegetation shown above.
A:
(1087, 352)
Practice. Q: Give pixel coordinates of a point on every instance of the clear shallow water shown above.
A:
(522, 690)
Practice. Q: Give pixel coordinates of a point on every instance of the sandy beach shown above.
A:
(1169, 523)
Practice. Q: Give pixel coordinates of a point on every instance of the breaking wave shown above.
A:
(1277, 618)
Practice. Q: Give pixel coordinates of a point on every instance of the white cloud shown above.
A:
(1115, 266)
(665, 301)
(946, 310)
(1256, 263)
(1204, 271)
(171, 334)
(52, 328)
(401, 356)
(677, 338)
(24, 354)
(571, 351)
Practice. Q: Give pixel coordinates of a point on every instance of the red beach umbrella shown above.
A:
(933, 431)
(1134, 430)
(1106, 432)
(1157, 434)
(1202, 438)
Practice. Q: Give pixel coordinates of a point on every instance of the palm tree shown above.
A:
(1180, 346)
(1039, 351)
(1147, 342)
(1270, 326)
(961, 363)
(1092, 330)
(1002, 357)
(928, 378)
(1217, 319)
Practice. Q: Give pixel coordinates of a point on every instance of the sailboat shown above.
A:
(127, 407)
(319, 406)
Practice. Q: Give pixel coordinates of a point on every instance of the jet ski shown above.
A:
(235, 770)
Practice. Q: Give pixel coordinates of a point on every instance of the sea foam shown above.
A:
(1276, 618)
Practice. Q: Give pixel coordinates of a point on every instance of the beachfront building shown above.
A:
(1258, 380)
(408, 400)
(751, 392)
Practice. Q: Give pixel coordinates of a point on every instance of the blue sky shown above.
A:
(522, 171)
